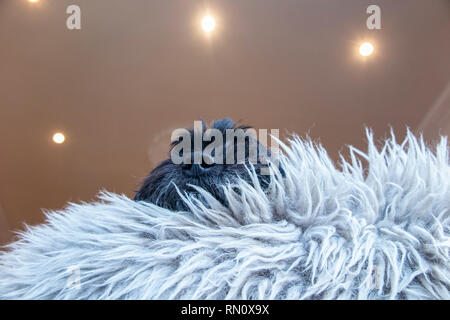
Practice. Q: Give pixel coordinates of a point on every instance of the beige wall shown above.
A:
(4, 228)
(437, 120)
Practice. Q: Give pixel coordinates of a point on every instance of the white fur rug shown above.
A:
(319, 233)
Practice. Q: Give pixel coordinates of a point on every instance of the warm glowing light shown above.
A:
(58, 138)
(366, 49)
(208, 23)
(33, 1)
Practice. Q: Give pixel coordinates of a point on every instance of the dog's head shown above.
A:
(203, 166)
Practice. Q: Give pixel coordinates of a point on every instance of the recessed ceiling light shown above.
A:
(59, 138)
(366, 49)
(208, 23)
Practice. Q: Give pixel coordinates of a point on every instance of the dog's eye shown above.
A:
(186, 166)
(206, 166)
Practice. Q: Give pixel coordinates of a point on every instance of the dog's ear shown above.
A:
(223, 124)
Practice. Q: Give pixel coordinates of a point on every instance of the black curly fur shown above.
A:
(159, 186)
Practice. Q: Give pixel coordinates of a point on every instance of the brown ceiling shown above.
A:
(138, 69)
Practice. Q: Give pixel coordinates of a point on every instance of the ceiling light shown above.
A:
(59, 138)
(366, 49)
(208, 23)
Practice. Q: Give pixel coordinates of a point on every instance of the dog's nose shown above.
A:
(196, 169)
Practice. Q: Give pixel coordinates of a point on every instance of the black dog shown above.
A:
(160, 186)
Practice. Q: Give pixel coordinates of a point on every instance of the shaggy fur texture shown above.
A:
(317, 233)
